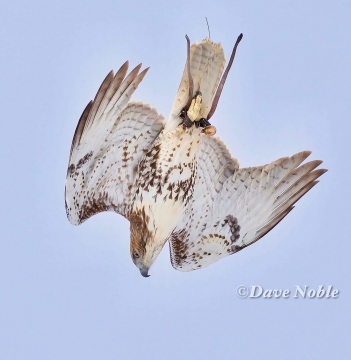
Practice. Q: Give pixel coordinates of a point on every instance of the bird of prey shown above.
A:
(175, 181)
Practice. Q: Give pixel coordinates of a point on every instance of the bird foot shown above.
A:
(195, 107)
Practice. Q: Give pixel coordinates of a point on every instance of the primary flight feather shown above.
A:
(174, 181)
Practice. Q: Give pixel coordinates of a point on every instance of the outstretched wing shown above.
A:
(111, 137)
(232, 208)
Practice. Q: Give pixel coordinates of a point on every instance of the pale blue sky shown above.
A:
(73, 292)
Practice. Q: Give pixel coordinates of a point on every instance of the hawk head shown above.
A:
(144, 248)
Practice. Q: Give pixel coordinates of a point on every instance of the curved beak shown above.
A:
(144, 272)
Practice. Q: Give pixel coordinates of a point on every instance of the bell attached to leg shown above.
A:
(209, 130)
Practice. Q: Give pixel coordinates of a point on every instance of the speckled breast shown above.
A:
(166, 177)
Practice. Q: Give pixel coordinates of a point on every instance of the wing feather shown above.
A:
(123, 87)
(105, 155)
(79, 129)
(98, 98)
(114, 87)
(231, 212)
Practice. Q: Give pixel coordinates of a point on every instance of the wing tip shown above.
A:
(301, 156)
(80, 127)
(143, 73)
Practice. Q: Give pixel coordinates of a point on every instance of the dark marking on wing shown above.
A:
(84, 160)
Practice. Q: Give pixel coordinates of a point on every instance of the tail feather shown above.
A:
(206, 66)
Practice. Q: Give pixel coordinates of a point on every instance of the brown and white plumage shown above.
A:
(239, 207)
(206, 67)
(173, 182)
(111, 137)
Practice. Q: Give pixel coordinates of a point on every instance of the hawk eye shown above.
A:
(136, 255)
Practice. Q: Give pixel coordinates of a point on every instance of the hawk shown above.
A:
(175, 181)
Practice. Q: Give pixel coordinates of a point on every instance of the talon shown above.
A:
(203, 122)
(209, 130)
(187, 122)
(195, 107)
